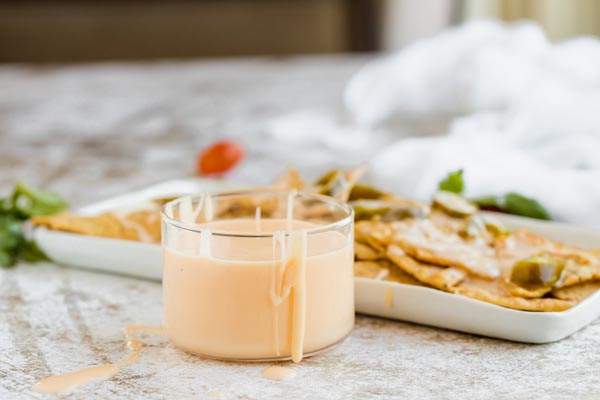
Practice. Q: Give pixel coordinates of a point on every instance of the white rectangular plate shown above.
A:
(385, 299)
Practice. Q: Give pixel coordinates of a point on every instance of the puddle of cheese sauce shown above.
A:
(66, 382)
(277, 373)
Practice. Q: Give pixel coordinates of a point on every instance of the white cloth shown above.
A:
(517, 112)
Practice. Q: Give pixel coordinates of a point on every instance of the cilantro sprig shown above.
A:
(24, 202)
(509, 203)
(453, 182)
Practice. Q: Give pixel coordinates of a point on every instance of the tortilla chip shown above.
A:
(147, 223)
(442, 278)
(497, 292)
(519, 291)
(246, 206)
(427, 243)
(517, 303)
(523, 244)
(289, 180)
(447, 223)
(364, 252)
(375, 234)
(576, 292)
(103, 225)
(141, 225)
(470, 228)
(316, 213)
(370, 269)
(581, 266)
(575, 273)
(383, 270)
(398, 275)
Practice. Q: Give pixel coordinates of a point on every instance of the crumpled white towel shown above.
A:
(517, 112)
(413, 167)
(546, 97)
(479, 65)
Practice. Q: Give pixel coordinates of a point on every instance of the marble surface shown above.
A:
(90, 132)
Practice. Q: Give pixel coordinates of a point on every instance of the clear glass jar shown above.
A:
(257, 275)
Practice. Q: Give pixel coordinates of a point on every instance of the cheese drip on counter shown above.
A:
(66, 382)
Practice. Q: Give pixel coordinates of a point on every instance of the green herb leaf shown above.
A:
(11, 238)
(11, 234)
(31, 252)
(513, 203)
(517, 204)
(7, 259)
(23, 203)
(29, 202)
(453, 182)
(489, 202)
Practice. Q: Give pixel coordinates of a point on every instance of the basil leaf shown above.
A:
(489, 202)
(517, 204)
(28, 202)
(513, 203)
(453, 182)
(31, 252)
(11, 238)
(23, 203)
(11, 235)
(7, 259)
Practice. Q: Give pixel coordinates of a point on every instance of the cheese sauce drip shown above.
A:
(289, 282)
(66, 382)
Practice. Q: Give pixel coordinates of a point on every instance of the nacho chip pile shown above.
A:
(139, 225)
(472, 256)
(447, 245)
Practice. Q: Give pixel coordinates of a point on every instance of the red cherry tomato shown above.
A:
(219, 157)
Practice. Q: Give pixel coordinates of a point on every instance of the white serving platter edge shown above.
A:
(408, 303)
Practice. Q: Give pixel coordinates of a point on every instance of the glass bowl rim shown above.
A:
(198, 228)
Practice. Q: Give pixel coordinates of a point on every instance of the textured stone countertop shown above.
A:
(90, 132)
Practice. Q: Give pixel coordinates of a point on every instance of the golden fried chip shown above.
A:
(373, 233)
(370, 269)
(383, 270)
(580, 265)
(427, 243)
(575, 273)
(398, 275)
(246, 206)
(442, 278)
(447, 223)
(576, 292)
(141, 225)
(289, 180)
(147, 224)
(364, 252)
(103, 225)
(518, 303)
(519, 291)
(496, 292)
(378, 234)
(523, 244)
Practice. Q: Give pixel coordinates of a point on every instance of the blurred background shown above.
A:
(114, 95)
(93, 30)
